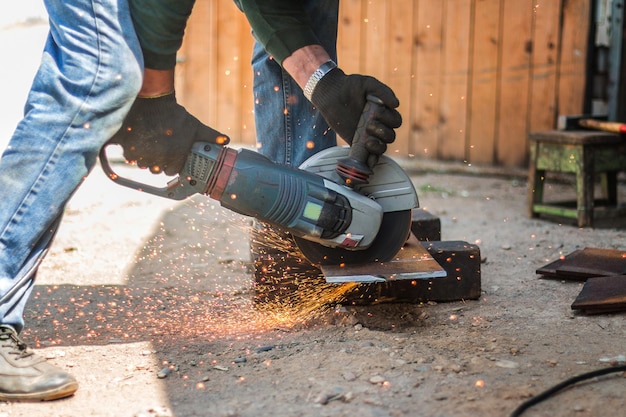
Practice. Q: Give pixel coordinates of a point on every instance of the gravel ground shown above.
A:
(150, 303)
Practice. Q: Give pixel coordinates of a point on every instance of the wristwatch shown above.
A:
(316, 76)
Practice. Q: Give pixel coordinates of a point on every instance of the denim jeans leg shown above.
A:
(289, 129)
(90, 73)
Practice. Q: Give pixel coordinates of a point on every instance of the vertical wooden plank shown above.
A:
(375, 33)
(247, 132)
(349, 36)
(572, 65)
(212, 32)
(485, 41)
(214, 76)
(454, 83)
(194, 71)
(350, 39)
(398, 69)
(427, 44)
(542, 104)
(514, 82)
(228, 74)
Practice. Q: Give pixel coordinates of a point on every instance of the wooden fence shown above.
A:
(474, 77)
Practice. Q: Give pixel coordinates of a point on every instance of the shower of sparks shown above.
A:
(182, 298)
(310, 296)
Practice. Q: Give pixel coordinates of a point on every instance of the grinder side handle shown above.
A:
(354, 169)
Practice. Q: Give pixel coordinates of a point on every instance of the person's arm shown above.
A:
(303, 62)
(281, 26)
(160, 26)
(158, 133)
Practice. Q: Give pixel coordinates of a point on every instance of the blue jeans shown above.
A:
(288, 127)
(90, 73)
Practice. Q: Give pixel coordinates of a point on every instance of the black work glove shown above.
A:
(341, 99)
(158, 134)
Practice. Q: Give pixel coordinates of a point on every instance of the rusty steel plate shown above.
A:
(602, 295)
(412, 262)
(586, 263)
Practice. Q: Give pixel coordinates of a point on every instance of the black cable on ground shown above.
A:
(571, 381)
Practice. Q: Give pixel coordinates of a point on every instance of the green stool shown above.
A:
(584, 153)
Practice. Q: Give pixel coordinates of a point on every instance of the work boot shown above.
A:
(26, 376)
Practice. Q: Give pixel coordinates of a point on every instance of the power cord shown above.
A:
(571, 381)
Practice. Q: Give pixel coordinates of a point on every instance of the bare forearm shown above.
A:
(303, 62)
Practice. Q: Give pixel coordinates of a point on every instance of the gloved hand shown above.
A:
(158, 134)
(341, 99)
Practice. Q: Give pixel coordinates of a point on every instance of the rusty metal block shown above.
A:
(425, 226)
(461, 261)
(289, 279)
(286, 277)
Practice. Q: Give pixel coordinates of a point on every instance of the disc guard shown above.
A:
(390, 187)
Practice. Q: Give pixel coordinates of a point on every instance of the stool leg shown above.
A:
(609, 187)
(584, 189)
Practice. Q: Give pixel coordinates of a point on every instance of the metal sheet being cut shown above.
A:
(412, 262)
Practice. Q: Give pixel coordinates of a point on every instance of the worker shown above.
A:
(91, 86)
(291, 122)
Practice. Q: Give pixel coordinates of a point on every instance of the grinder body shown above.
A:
(298, 201)
(303, 203)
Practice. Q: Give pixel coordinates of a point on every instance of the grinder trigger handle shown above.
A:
(172, 190)
(354, 169)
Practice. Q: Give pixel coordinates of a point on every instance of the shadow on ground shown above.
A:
(192, 294)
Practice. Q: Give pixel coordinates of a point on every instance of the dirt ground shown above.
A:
(150, 304)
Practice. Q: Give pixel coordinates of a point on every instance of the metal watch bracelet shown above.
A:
(316, 76)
